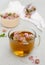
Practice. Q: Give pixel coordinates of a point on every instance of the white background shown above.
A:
(40, 4)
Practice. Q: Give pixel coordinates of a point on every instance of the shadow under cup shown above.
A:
(22, 48)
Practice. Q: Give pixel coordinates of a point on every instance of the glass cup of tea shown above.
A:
(22, 42)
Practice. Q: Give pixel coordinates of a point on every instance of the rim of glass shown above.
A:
(21, 31)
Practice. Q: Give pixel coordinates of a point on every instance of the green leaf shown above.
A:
(0, 15)
(9, 14)
(2, 35)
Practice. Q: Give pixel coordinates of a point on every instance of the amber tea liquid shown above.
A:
(20, 48)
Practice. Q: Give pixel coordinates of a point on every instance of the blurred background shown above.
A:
(40, 5)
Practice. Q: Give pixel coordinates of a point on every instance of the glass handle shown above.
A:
(37, 41)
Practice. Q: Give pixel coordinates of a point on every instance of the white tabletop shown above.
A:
(40, 4)
(7, 58)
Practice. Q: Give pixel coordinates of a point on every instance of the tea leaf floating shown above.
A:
(2, 35)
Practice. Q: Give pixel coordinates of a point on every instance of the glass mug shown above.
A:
(23, 48)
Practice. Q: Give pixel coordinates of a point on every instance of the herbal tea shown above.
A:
(21, 43)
